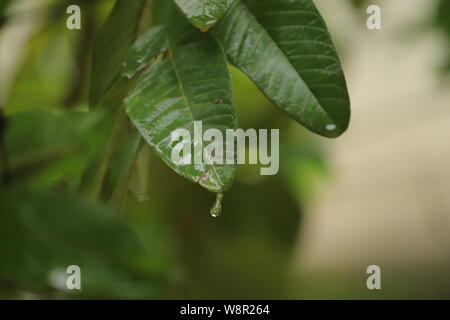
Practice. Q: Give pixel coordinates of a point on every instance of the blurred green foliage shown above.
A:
(42, 233)
(441, 20)
(164, 244)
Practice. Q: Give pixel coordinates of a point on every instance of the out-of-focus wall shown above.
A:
(388, 199)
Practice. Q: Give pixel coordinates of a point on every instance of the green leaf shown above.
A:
(111, 46)
(49, 232)
(285, 48)
(192, 83)
(139, 180)
(204, 14)
(45, 147)
(144, 49)
(122, 165)
(161, 11)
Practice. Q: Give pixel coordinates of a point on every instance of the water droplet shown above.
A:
(330, 127)
(217, 207)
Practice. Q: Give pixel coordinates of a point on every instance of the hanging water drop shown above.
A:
(217, 207)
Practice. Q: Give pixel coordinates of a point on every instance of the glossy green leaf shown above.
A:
(191, 83)
(285, 48)
(204, 14)
(111, 46)
(144, 49)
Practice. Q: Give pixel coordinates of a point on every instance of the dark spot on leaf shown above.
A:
(166, 54)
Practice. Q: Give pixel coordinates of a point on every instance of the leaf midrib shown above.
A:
(191, 113)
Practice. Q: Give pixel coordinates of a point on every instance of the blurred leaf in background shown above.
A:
(441, 21)
(43, 233)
